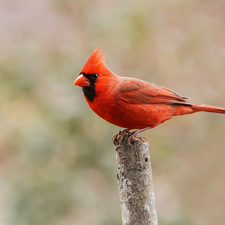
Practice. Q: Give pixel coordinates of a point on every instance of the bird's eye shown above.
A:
(94, 75)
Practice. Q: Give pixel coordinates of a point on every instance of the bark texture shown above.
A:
(135, 181)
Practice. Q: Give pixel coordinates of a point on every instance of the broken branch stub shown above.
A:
(135, 181)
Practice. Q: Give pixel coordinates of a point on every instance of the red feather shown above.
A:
(96, 63)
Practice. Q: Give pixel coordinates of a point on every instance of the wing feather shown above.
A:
(135, 91)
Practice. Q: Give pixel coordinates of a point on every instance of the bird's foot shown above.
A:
(134, 134)
(118, 137)
(131, 137)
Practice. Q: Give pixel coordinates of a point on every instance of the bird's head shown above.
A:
(94, 71)
(93, 68)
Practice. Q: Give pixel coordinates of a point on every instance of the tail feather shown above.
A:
(208, 108)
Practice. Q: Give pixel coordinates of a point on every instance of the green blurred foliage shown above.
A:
(57, 159)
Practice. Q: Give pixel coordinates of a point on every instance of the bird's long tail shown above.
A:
(207, 108)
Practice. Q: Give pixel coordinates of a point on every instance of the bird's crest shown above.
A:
(96, 63)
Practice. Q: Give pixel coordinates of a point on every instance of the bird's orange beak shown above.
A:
(82, 81)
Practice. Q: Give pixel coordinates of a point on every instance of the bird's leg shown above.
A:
(134, 133)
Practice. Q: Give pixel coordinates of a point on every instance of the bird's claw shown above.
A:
(118, 137)
(131, 137)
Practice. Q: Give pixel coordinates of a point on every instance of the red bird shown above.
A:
(128, 102)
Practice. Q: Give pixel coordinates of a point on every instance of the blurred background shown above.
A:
(57, 160)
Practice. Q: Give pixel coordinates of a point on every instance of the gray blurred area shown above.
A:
(57, 160)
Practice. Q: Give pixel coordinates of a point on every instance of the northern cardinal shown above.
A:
(128, 102)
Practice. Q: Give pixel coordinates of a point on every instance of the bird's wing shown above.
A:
(135, 91)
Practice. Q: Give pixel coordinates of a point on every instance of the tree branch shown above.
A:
(135, 181)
